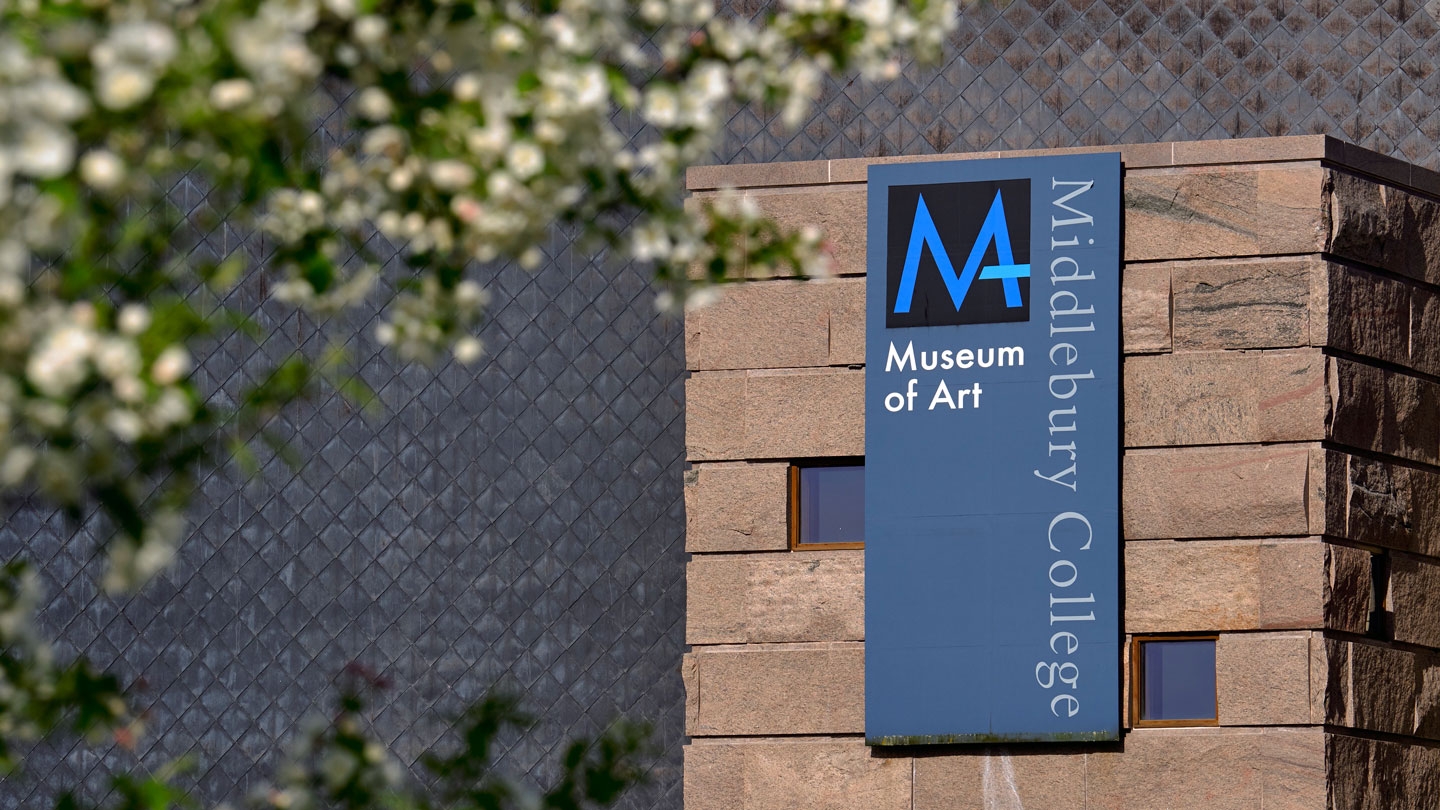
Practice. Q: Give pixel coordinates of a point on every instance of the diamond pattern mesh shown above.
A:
(521, 520)
(1028, 75)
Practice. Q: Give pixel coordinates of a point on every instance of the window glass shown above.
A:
(832, 505)
(1178, 680)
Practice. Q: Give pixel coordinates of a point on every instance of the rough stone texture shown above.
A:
(1425, 331)
(1347, 588)
(1223, 585)
(1210, 768)
(1384, 227)
(823, 774)
(1183, 493)
(775, 689)
(1415, 598)
(1243, 304)
(736, 507)
(1379, 688)
(1224, 398)
(1387, 504)
(779, 324)
(814, 596)
(1223, 212)
(1367, 774)
(1263, 679)
(1385, 411)
(1145, 308)
(1369, 315)
(784, 414)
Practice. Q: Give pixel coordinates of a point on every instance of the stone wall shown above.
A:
(1281, 331)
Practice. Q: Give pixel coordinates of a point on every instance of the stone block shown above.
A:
(1384, 227)
(815, 774)
(1347, 588)
(1388, 504)
(736, 507)
(772, 324)
(1223, 212)
(1173, 587)
(1225, 398)
(1145, 308)
(1217, 769)
(1415, 598)
(1425, 331)
(988, 778)
(838, 211)
(1385, 411)
(773, 689)
(1263, 679)
(1368, 774)
(1242, 303)
(735, 599)
(1382, 689)
(806, 413)
(1319, 678)
(1202, 492)
(1367, 314)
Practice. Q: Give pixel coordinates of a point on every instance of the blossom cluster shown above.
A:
(465, 132)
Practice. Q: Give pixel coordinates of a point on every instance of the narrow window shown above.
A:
(1172, 681)
(827, 505)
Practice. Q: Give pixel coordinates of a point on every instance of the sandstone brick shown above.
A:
(1384, 226)
(823, 774)
(1415, 598)
(1145, 308)
(1319, 678)
(1217, 769)
(736, 507)
(987, 778)
(1185, 493)
(787, 414)
(1385, 411)
(1193, 585)
(776, 689)
(1186, 586)
(1242, 304)
(1368, 774)
(1263, 679)
(817, 596)
(773, 324)
(1251, 150)
(1347, 588)
(1225, 398)
(1292, 584)
(1182, 214)
(838, 211)
(1367, 315)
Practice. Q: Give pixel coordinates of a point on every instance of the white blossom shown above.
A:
(172, 364)
(101, 169)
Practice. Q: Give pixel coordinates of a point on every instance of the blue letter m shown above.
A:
(924, 234)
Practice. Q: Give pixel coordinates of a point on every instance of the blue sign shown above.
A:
(992, 451)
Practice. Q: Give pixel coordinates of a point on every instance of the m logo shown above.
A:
(988, 224)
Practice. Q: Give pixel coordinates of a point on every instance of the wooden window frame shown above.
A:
(793, 505)
(1137, 682)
